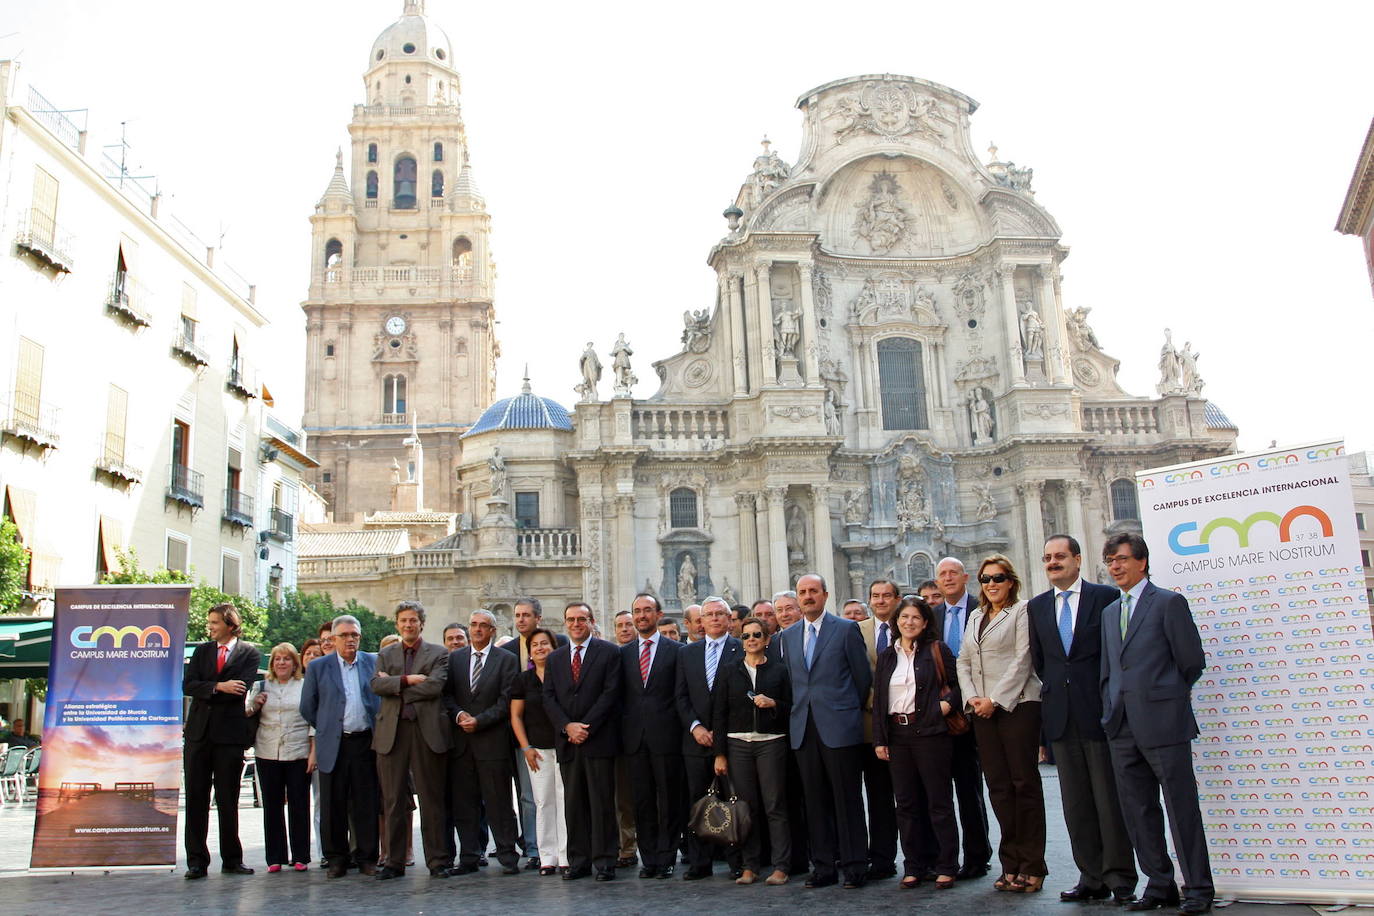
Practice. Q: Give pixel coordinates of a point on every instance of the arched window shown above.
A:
(372, 152)
(371, 185)
(394, 394)
(333, 253)
(438, 152)
(462, 253)
(902, 383)
(1123, 500)
(404, 183)
(919, 569)
(682, 508)
(436, 183)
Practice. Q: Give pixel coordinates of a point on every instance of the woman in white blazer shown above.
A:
(1002, 694)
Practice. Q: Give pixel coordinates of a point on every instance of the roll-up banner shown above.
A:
(1266, 549)
(110, 772)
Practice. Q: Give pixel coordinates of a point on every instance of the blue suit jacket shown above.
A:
(833, 691)
(1148, 677)
(322, 703)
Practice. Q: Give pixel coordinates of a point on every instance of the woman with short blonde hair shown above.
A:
(285, 756)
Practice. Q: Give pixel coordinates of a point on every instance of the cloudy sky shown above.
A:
(1195, 155)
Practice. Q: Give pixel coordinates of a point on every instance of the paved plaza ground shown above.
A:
(490, 892)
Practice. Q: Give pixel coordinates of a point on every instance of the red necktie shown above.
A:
(223, 657)
(644, 662)
(577, 664)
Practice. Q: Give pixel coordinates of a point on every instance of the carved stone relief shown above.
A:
(884, 219)
(886, 109)
(970, 296)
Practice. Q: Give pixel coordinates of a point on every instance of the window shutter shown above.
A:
(28, 387)
(116, 418)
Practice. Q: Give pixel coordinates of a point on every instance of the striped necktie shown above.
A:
(1125, 612)
(476, 670)
(712, 660)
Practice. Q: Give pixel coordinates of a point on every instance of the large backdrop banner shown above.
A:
(111, 767)
(1266, 549)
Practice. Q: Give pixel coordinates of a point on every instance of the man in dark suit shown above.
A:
(696, 677)
(951, 617)
(1151, 657)
(412, 738)
(880, 631)
(582, 699)
(651, 738)
(477, 697)
(216, 679)
(828, 666)
(1066, 648)
(338, 701)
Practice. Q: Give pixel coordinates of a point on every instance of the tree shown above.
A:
(297, 617)
(14, 565)
(203, 597)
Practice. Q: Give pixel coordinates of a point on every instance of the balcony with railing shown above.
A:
(395, 419)
(128, 300)
(242, 380)
(116, 459)
(364, 282)
(281, 524)
(409, 111)
(548, 543)
(680, 429)
(184, 346)
(186, 486)
(238, 508)
(24, 416)
(1116, 419)
(41, 236)
(56, 119)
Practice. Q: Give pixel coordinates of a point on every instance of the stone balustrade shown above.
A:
(548, 543)
(680, 428)
(457, 282)
(1121, 419)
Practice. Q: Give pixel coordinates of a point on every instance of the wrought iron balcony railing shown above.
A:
(41, 237)
(186, 486)
(238, 508)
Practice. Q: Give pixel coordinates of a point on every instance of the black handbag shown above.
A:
(718, 818)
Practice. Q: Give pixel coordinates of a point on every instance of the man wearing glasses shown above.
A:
(1151, 657)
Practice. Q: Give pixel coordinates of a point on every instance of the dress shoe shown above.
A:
(736, 873)
(239, 869)
(337, 871)
(1195, 905)
(547, 870)
(440, 872)
(572, 874)
(482, 862)
(532, 864)
(815, 880)
(1152, 902)
(1081, 894)
(969, 872)
(386, 873)
(696, 874)
(627, 862)
(367, 868)
(466, 868)
(1122, 895)
(194, 873)
(880, 872)
(853, 882)
(665, 872)
(606, 875)
(511, 869)
(648, 871)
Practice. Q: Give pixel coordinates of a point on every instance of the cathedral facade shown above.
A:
(888, 375)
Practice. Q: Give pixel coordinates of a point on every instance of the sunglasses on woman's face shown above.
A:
(753, 635)
(999, 578)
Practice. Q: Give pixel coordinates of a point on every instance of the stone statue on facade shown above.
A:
(980, 412)
(1080, 332)
(687, 581)
(832, 415)
(796, 532)
(856, 507)
(728, 594)
(590, 367)
(787, 329)
(770, 172)
(1170, 367)
(620, 364)
(497, 466)
(696, 333)
(883, 219)
(1189, 379)
(1032, 332)
(987, 506)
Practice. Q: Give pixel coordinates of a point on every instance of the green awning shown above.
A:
(25, 646)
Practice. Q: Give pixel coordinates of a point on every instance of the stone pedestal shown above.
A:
(788, 375)
(496, 530)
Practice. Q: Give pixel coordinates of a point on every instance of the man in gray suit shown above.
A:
(828, 666)
(338, 702)
(1151, 657)
(411, 739)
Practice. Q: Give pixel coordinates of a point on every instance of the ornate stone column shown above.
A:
(1035, 534)
(1073, 510)
(626, 584)
(738, 357)
(762, 555)
(748, 546)
(1012, 319)
(341, 416)
(1052, 317)
(822, 536)
(810, 329)
(763, 296)
(777, 539)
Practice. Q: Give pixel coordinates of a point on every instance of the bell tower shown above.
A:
(400, 316)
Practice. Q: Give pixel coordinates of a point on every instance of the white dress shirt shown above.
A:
(901, 692)
(1074, 592)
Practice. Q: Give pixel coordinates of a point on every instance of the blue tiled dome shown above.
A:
(524, 411)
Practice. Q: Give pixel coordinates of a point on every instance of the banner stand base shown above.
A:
(103, 869)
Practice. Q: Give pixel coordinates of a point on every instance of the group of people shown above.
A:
(846, 736)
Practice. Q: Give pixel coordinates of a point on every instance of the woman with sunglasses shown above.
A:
(910, 701)
(1001, 690)
(750, 705)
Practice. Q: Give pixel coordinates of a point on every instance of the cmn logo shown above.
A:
(89, 637)
(1242, 528)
